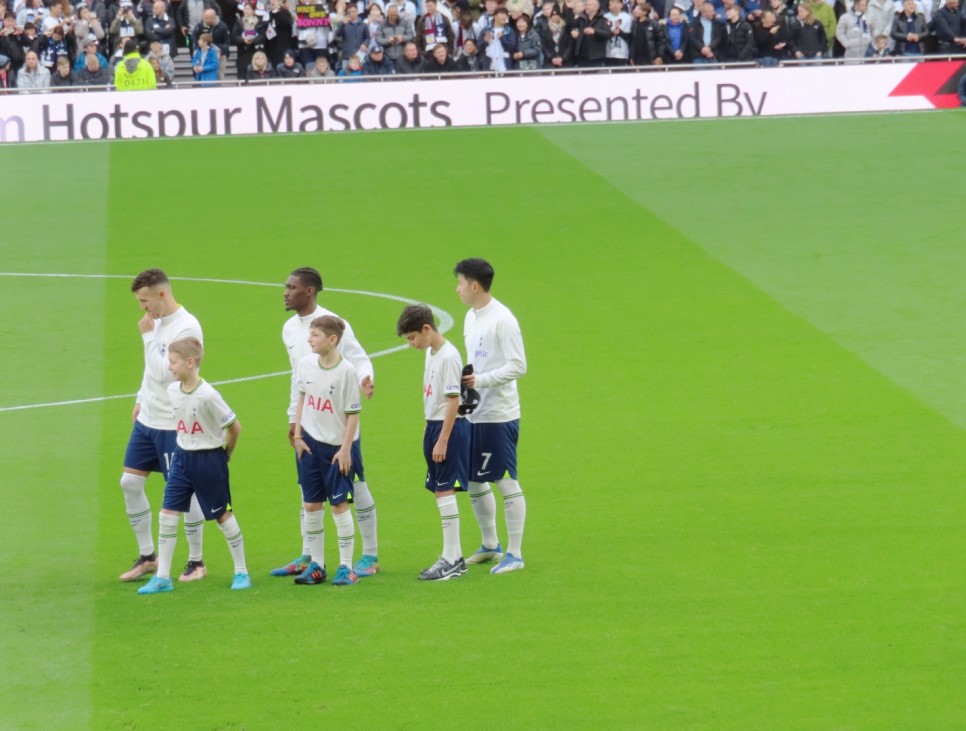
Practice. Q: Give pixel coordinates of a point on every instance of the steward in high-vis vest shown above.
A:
(133, 73)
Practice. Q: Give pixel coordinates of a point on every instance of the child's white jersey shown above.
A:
(201, 416)
(295, 335)
(156, 411)
(331, 394)
(441, 380)
(494, 345)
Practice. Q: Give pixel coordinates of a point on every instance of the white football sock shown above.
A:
(167, 539)
(366, 515)
(515, 510)
(138, 511)
(305, 540)
(315, 535)
(194, 523)
(346, 530)
(449, 513)
(484, 508)
(236, 543)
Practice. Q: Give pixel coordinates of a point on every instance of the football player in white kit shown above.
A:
(152, 442)
(301, 296)
(494, 347)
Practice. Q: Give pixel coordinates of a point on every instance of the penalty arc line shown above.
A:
(445, 323)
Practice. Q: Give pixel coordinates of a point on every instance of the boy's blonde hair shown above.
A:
(188, 348)
(330, 325)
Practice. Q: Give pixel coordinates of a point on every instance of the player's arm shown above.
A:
(293, 395)
(300, 446)
(353, 352)
(449, 419)
(231, 437)
(511, 343)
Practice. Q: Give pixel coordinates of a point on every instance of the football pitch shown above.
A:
(742, 437)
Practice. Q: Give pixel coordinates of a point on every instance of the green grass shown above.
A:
(741, 438)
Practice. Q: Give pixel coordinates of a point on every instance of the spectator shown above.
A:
(125, 25)
(161, 79)
(164, 60)
(98, 11)
(648, 39)
(463, 31)
(542, 20)
(707, 35)
(28, 39)
(259, 69)
(191, 14)
(407, 9)
(51, 46)
(470, 60)
(204, 62)
(516, 8)
(374, 19)
(10, 45)
(909, 30)
(33, 75)
(92, 46)
(433, 28)
(248, 35)
(806, 37)
(500, 42)
(62, 75)
(54, 18)
(558, 46)
(739, 43)
(395, 33)
(290, 68)
(439, 61)
(853, 31)
(8, 78)
(879, 48)
(527, 56)
(378, 63)
(352, 35)
(313, 42)
(411, 61)
(785, 13)
(948, 28)
(592, 34)
(771, 39)
(220, 38)
(353, 68)
(33, 11)
(278, 33)
(160, 27)
(618, 45)
(86, 27)
(133, 73)
(321, 69)
(485, 21)
(677, 40)
(824, 14)
(93, 73)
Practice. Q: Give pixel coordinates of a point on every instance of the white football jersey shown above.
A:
(441, 380)
(295, 335)
(201, 416)
(331, 394)
(156, 411)
(494, 345)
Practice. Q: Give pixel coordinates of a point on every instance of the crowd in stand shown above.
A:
(132, 43)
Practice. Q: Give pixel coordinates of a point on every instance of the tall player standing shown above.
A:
(494, 347)
(301, 296)
(153, 439)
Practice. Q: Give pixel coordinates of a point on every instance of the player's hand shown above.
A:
(301, 448)
(291, 433)
(344, 459)
(439, 450)
(137, 410)
(470, 380)
(146, 323)
(368, 387)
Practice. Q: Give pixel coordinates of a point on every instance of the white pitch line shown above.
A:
(445, 323)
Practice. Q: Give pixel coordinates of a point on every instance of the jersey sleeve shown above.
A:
(220, 410)
(352, 393)
(511, 343)
(452, 374)
(293, 396)
(298, 384)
